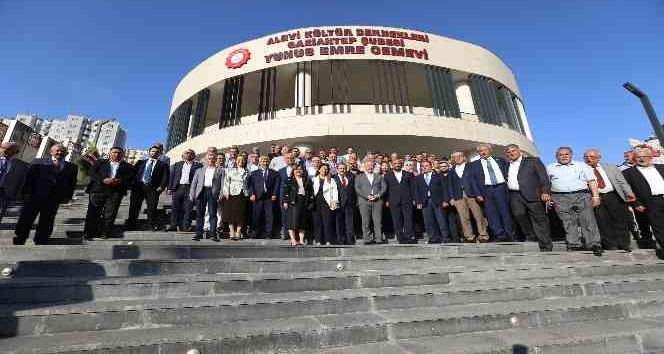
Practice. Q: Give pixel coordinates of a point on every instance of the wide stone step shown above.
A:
(598, 337)
(247, 249)
(43, 290)
(110, 315)
(124, 267)
(324, 331)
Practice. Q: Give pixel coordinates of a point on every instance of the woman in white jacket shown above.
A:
(326, 200)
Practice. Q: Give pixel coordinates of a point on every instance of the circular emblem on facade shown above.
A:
(237, 58)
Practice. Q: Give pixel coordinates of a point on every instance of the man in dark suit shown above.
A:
(400, 192)
(347, 204)
(647, 182)
(462, 197)
(488, 177)
(12, 176)
(529, 188)
(181, 175)
(263, 187)
(151, 179)
(431, 196)
(109, 181)
(50, 182)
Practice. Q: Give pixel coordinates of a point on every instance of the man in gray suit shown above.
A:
(612, 214)
(204, 191)
(370, 187)
(12, 176)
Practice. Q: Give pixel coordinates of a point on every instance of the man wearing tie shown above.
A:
(12, 176)
(529, 188)
(370, 189)
(50, 182)
(345, 221)
(431, 197)
(181, 175)
(109, 181)
(263, 186)
(151, 179)
(400, 192)
(612, 214)
(488, 178)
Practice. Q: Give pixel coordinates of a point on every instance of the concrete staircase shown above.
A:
(162, 293)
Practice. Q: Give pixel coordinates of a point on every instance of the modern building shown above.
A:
(368, 87)
(134, 155)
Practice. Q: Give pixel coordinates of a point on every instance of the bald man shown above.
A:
(12, 176)
(50, 182)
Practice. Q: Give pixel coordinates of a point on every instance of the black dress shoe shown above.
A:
(17, 241)
(41, 242)
(575, 248)
(197, 238)
(171, 228)
(215, 239)
(597, 250)
(370, 242)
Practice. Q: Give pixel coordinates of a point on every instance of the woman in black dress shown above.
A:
(297, 200)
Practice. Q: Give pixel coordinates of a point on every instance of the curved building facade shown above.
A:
(379, 88)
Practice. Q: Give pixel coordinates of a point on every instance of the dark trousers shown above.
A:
(435, 222)
(263, 216)
(613, 219)
(497, 210)
(101, 214)
(324, 231)
(453, 224)
(655, 211)
(402, 219)
(345, 225)
(46, 209)
(209, 200)
(284, 221)
(532, 220)
(151, 196)
(181, 207)
(644, 239)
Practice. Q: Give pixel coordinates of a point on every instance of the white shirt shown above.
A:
(427, 179)
(608, 186)
(459, 169)
(186, 169)
(496, 170)
(370, 178)
(512, 174)
(209, 175)
(655, 180)
(114, 168)
(330, 192)
(398, 174)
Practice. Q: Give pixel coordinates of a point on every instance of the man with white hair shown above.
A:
(647, 182)
(12, 176)
(574, 193)
(488, 175)
(612, 214)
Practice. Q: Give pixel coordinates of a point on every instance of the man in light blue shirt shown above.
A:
(575, 194)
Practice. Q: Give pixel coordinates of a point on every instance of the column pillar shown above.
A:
(524, 119)
(465, 97)
(192, 117)
(302, 86)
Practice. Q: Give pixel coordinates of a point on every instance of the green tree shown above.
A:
(84, 163)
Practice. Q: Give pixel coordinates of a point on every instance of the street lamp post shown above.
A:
(650, 111)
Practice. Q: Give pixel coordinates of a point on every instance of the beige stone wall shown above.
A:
(441, 51)
(362, 129)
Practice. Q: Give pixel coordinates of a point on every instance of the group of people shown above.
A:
(328, 198)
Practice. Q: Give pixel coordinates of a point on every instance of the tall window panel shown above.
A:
(485, 99)
(267, 97)
(178, 125)
(231, 102)
(443, 95)
(199, 114)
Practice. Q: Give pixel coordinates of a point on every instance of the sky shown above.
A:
(123, 58)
